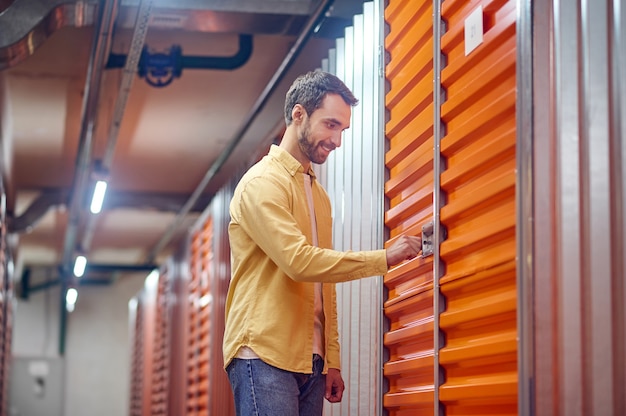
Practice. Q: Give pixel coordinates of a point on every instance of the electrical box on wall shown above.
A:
(36, 386)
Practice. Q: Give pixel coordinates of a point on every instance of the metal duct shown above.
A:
(128, 75)
(25, 25)
(100, 49)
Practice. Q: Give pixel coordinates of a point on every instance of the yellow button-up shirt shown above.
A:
(270, 302)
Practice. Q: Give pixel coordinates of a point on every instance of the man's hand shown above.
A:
(334, 386)
(405, 247)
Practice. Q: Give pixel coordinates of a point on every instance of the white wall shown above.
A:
(97, 354)
(36, 331)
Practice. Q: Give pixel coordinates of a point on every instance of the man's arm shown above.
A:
(265, 215)
(266, 218)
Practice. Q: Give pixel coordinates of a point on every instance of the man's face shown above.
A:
(320, 133)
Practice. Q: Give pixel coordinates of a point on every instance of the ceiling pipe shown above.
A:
(128, 76)
(100, 48)
(35, 211)
(289, 59)
(198, 62)
(25, 25)
(99, 51)
(26, 287)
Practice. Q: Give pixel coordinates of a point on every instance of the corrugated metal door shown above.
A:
(220, 399)
(353, 177)
(479, 117)
(143, 321)
(409, 190)
(6, 315)
(208, 389)
(466, 133)
(136, 323)
(199, 320)
(161, 347)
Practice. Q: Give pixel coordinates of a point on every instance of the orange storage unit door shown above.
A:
(452, 146)
(480, 353)
(137, 321)
(208, 390)
(161, 344)
(6, 319)
(409, 369)
(199, 321)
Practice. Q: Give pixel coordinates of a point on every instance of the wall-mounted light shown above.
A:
(70, 299)
(98, 196)
(79, 266)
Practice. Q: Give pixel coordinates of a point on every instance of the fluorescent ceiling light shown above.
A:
(79, 266)
(98, 197)
(70, 299)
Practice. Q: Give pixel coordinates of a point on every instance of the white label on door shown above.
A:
(473, 30)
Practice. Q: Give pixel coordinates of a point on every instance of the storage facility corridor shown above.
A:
(493, 129)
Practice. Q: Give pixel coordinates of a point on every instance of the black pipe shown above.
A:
(110, 268)
(81, 282)
(27, 288)
(194, 62)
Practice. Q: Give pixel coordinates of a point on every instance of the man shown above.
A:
(281, 345)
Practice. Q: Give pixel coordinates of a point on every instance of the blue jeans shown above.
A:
(263, 390)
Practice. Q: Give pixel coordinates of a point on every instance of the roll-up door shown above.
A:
(143, 321)
(220, 396)
(6, 318)
(161, 345)
(208, 389)
(136, 322)
(157, 377)
(451, 134)
(479, 284)
(409, 369)
(199, 321)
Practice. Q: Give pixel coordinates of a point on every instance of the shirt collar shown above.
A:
(290, 163)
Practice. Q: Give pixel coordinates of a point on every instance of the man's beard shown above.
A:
(307, 147)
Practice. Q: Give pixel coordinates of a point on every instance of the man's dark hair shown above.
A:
(310, 89)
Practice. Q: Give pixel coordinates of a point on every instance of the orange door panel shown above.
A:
(477, 320)
(409, 192)
(479, 356)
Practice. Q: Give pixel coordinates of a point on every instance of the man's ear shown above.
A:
(297, 113)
